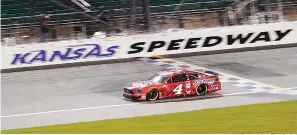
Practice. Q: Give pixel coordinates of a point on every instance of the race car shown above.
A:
(172, 83)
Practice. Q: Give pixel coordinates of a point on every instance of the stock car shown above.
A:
(172, 83)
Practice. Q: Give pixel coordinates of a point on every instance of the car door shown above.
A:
(177, 85)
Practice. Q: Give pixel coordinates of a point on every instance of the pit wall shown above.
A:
(121, 48)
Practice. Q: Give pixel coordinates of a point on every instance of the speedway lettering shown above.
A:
(210, 41)
(70, 53)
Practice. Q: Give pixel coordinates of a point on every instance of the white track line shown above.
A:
(292, 88)
(240, 93)
(68, 110)
(107, 106)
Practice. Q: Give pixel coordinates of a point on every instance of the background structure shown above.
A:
(29, 21)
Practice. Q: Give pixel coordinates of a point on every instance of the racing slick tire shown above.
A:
(152, 95)
(202, 90)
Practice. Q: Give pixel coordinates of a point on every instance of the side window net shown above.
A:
(179, 78)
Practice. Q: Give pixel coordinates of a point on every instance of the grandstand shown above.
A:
(20, 19)
(27, 11)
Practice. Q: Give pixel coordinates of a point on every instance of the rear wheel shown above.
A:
(152, 95)
(202, 90)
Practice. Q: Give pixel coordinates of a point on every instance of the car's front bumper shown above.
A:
(135, 97)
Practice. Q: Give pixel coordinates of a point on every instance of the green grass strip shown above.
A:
(269, 118)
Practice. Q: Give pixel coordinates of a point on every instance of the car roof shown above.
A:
(170, 71)
(175, 70)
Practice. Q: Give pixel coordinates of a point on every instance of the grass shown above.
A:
(269, 118)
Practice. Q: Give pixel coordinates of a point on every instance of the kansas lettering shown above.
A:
(69, 53)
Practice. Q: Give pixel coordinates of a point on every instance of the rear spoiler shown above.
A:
(210, 72)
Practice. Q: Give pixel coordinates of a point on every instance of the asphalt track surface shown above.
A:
(67, 95)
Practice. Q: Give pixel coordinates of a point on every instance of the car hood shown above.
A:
(139, 84)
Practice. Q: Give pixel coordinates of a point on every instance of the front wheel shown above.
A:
(152, 95)
(202, 90)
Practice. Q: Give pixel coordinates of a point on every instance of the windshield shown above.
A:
(158, 78)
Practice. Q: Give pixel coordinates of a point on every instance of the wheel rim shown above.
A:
(152, 95)
(201, 91)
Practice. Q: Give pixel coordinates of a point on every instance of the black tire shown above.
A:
(152, 95)
(202, 90)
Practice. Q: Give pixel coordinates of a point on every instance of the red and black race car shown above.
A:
(171, 83)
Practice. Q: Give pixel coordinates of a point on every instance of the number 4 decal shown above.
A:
(178, 90)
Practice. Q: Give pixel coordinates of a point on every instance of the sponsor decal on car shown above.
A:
(207, 81)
